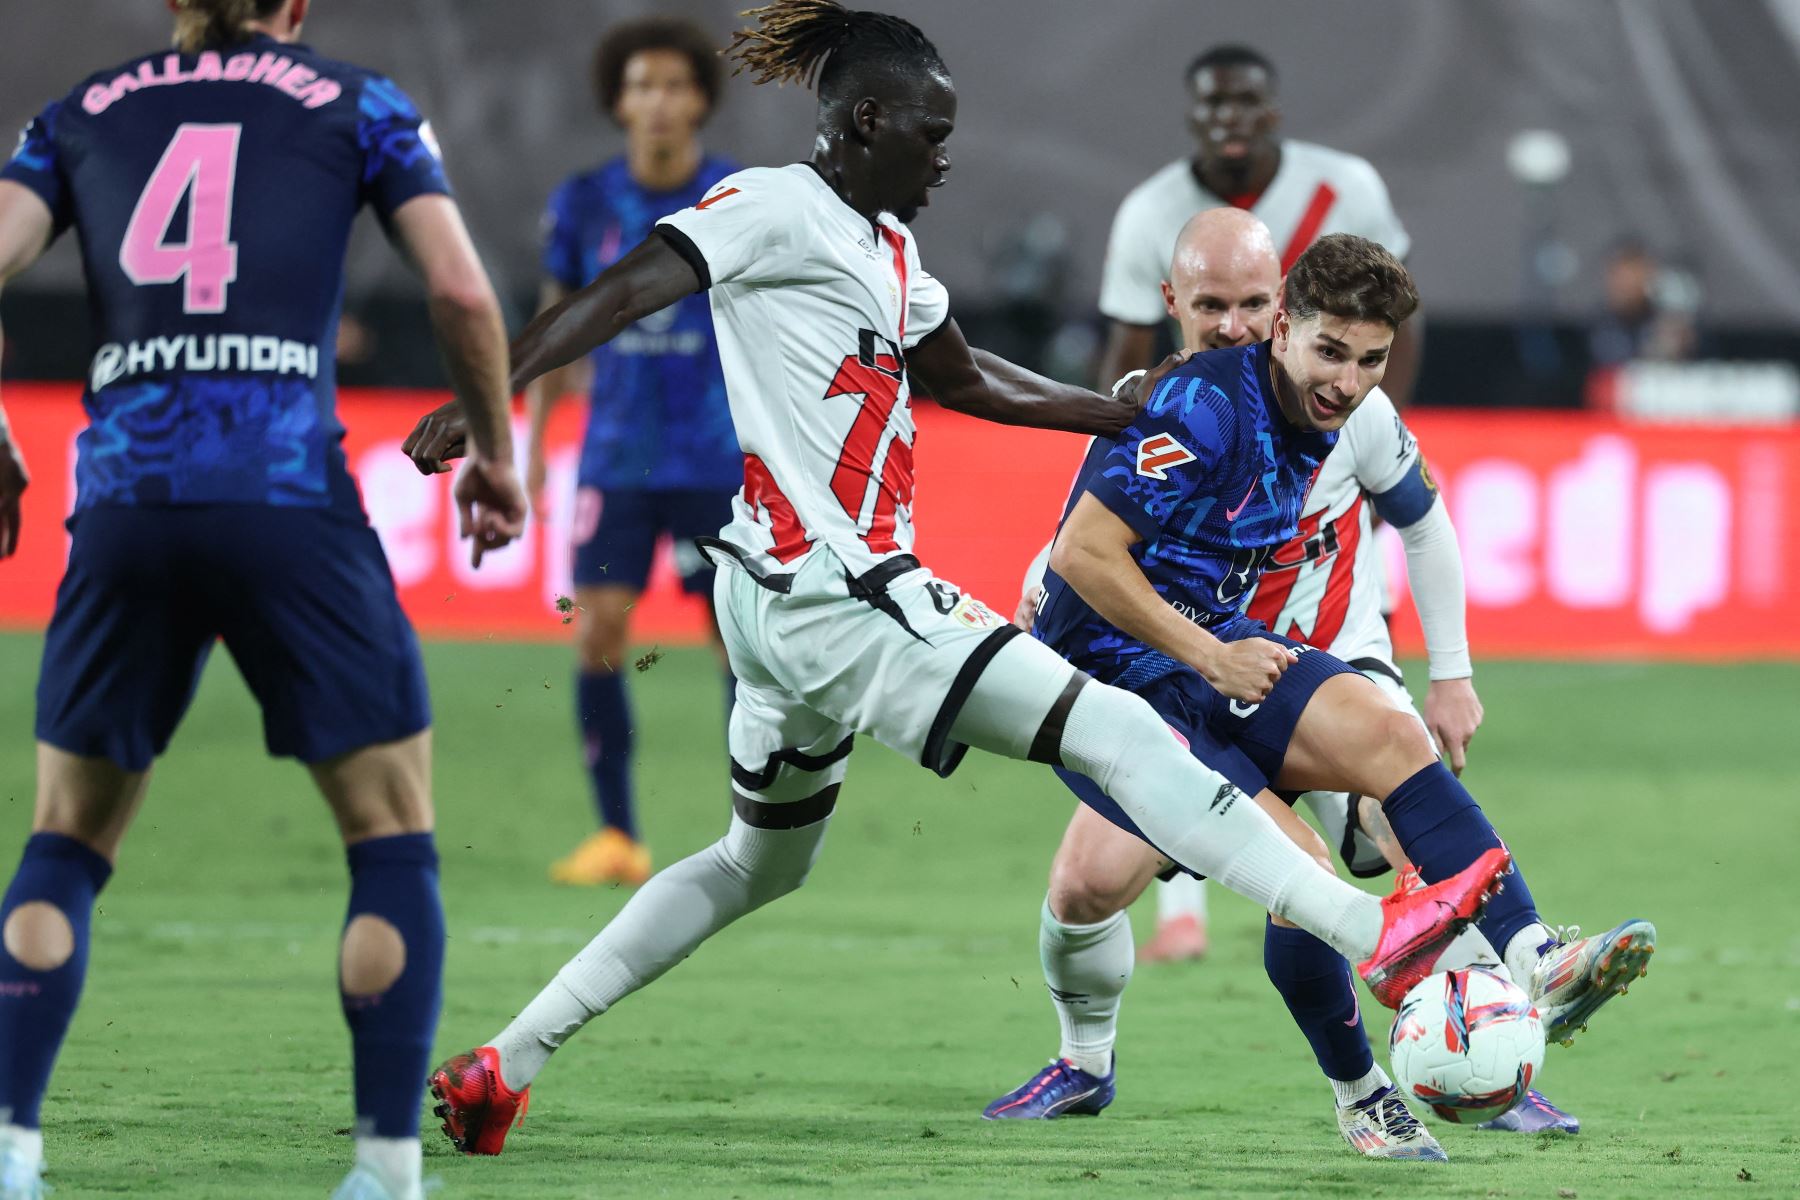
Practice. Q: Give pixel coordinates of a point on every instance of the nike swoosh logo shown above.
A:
(1231, 514)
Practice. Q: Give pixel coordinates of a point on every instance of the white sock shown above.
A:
(1207, 825)
(1524, 949)
(26, 1143)
(396, 1162)
(680, 907)
(1471, 949)
(1182, 896)
(1086, 968)
(1349, 1093)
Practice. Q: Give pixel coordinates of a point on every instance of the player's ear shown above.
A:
(1168, 292)
(865, 119)
(297, 13)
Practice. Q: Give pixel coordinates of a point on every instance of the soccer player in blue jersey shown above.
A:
(1222, 286)
(1166, 531)
(660, 456)
(213, 189)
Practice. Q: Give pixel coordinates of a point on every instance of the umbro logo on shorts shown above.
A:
(1157, 454)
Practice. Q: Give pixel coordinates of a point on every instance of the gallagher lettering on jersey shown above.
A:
(658, 418)
(214, 194)
(1212, 477)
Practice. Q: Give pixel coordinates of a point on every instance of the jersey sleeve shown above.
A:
(34, 165)
(927, 306)
(1158, 464)
(1377, 219)
(401, 159)
(1386, 463)
(747, 229)
(562, 241)
(1131, 278)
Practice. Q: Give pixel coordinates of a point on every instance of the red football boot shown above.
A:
(1416, 926)
(476, 1106)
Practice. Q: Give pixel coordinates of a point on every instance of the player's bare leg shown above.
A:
(391, 957)
(1349, 738)
(83, 808)
(613, 853)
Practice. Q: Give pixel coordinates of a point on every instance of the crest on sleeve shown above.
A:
(1156, 455)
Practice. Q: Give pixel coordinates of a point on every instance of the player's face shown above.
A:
(660, 101)
(1234, 114)
(1330, 364)
(910, 152)
(1229, 305)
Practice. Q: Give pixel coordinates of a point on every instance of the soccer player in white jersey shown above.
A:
(1300, 191)
(1221, 290)
(833, 627)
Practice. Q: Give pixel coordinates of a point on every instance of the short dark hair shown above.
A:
(1231, 54)
(1343, 275)
(654, 33)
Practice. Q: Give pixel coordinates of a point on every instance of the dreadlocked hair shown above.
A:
(812, 42)
(215, 22)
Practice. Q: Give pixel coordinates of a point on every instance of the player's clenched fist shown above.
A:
(440, 435)
(1246, 670)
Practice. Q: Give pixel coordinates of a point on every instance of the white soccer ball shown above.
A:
(1466, 1044)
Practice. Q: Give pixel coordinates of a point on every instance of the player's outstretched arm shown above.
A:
(26, 227)
(1452, 710)
(987, 386)
(465, 316)
(1093, 554)
(648, 279)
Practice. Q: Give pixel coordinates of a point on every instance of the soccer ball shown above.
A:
(1466, 1044)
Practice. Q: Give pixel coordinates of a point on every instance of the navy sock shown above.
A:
(36, 1005)
(1443, 830)
(605, 716)
(1314, 980)
(395, 881)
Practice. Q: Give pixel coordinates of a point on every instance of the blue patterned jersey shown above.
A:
(658, 419)
(1212, 477)
(213, 194)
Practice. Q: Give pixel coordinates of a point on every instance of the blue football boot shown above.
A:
(1534, 1114)
(1060, 1089)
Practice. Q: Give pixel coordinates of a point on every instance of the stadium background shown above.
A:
(1590, 530)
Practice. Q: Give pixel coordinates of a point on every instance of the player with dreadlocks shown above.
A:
(833, 626)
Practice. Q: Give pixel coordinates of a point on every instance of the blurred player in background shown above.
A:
(833, 625)
(213, 189)
(1221, 291)
(660, 456)
(1300, 191)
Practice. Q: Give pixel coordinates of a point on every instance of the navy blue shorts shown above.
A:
(616, 532)
(1246, 743)
(301, 597)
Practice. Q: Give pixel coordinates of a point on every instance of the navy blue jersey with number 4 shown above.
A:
(1212, 478)
(213, 194)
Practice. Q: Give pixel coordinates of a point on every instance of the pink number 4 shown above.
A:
(200, 164)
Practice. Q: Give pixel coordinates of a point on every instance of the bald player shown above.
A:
(1221, 290)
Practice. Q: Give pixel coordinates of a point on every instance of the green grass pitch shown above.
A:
(846, 1038)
